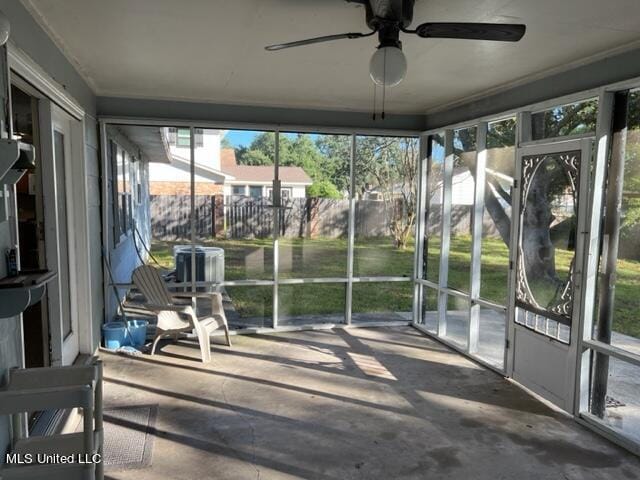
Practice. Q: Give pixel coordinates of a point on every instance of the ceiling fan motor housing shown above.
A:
(398, 12)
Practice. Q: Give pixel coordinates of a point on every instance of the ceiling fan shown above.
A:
(388, 18)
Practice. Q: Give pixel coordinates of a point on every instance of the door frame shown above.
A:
(23, 70)
(526, 148)
(59, 193)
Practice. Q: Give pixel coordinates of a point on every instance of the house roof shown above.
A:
(150, 142)
(227, 158)
(259, 173)
(200, 170)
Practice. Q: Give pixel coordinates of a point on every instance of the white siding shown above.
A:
(298, 191)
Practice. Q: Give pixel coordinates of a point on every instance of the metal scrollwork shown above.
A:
(562, 303)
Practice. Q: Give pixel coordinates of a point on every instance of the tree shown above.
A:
(336, 153)
(225, 143)
(296, 150)
(390, 166)
(385, 164)
(261, 151)
(539, 227)
(323, 189)
(630, 226)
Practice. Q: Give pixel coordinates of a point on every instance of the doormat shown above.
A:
(128, 436)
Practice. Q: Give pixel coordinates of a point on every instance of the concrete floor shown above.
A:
(624, 378)
(376, 403)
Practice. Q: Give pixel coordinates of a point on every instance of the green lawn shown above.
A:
(627, 298)
(323, 258)
(317, 258)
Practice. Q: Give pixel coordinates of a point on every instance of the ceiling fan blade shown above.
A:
(309, 41)
(501, 32)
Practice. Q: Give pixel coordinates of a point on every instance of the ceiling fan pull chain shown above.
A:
(374, 101)
(384, 81)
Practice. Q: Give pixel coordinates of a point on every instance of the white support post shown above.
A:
(106, 218)
(192, 198)
(445, 243)
(420, 228)
(276, 226)
(351, 234)
(524, 128)
(523, 135)
(476, 237)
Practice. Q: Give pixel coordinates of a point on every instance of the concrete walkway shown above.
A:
(377, 403)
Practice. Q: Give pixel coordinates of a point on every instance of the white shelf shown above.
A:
(62, 444)
(18, 293)
(15, 158)
(9, 153)
(55, 388)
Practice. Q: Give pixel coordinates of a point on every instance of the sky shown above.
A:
(243, 138)
(240, 138)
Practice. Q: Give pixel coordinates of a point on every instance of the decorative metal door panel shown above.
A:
(547, 240)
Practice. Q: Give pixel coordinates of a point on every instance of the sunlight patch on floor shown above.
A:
(371, 367)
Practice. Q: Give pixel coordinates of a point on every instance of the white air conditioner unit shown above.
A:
(209, 264)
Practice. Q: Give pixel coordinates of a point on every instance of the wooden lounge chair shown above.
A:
(175, 317)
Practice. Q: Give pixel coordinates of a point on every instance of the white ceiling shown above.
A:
(212, 50)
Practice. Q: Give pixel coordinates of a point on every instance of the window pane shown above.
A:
(247, 307)
(314, 179)
(545, 326)
(462, 195)
(381, 302)
(457, 321)
(626, 306)
(169, 200)
(433, 227)
(618, 391)
(564, 120)
(183, 138)
(496, 224)
(226, 220)
(65, 243)
(306, 304)
(385, 190)
(491, 336)
(255, 192)
(118, 214)
(430, 309)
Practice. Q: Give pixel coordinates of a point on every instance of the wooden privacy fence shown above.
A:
(170, 216)
(245, 217)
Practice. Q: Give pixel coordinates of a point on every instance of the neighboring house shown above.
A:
(375, 193)
(216, 169)
(257, 180)
(462, 188)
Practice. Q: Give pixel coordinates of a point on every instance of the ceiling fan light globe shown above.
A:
(5, 28)
(388, 66)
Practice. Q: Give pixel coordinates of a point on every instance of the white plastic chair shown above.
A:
(174, 317)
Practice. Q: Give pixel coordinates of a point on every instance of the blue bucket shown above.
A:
(115, 335)
(137, 332)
